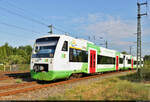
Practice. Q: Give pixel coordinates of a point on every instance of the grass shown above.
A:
(124, 87)
(18, 80)
(106, 89)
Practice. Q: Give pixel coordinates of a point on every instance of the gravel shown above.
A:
(52, 91)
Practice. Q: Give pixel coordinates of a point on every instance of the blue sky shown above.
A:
(114, 20)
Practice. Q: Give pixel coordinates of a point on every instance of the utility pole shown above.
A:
(94, 39)
(130, 49)
(106, 44)
(51, 29)
(139, 15)
(89, 38)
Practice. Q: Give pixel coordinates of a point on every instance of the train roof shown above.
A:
(63, 35)
(60, 35)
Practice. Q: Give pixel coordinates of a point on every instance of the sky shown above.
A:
(114, 21)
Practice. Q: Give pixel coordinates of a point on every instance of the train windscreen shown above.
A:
(45, 47)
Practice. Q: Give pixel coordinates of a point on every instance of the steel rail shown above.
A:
(13, 92)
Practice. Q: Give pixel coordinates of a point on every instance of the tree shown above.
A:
(15, 59)
(147, 58)
(10, 55)
(124, 52)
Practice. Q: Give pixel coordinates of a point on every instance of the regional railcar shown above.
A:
(61, 56)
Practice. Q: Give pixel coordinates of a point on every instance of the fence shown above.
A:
(15, 67)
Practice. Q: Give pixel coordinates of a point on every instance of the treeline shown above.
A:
(21, 55)
(15, 55)
(147, 57)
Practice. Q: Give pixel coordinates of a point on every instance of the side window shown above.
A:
(134, 62)
(65, 46)
(105, 60)
(71, 55)
(129, 61)
(121, 60)
(78, 55)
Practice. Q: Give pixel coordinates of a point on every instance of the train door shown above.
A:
(132, 63)
(92, 61)
(117, 63)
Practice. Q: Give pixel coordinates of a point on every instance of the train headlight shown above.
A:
(35, 68)
(41, 68)
(51, 55)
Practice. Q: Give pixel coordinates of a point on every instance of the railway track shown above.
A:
(12, 72)
(5, 78)
(14, 75)
(16, 85)
(35, 86)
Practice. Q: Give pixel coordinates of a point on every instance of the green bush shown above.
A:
(145, 71)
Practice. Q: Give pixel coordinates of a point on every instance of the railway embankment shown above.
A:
(124, 87)
(105, 87)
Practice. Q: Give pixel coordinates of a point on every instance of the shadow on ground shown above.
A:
(131, 77)
(25, 76)
(135, 77)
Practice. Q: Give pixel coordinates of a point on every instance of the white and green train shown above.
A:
(61, 56)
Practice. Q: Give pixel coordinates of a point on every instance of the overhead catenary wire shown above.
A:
(16, 35)
(21, 9)
(18, 27)
(29, 18)
(61, 30)
(22, 16)
(24, 10)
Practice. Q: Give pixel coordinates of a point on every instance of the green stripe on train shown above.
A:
(50, 75)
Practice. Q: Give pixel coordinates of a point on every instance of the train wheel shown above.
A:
(75, 75)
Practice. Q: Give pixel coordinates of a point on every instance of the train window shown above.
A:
(105, 60)
(78, 55)
(129, 61)
(71, 55)
(138, 62)
(65, 46)
(47, 40)
(121, 60)
(142, 62)
(135, 62)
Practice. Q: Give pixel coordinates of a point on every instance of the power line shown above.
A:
(22, 9)
(59, 29)
(12, 34)
(19, 15)
(14, 26)
(29, 18)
